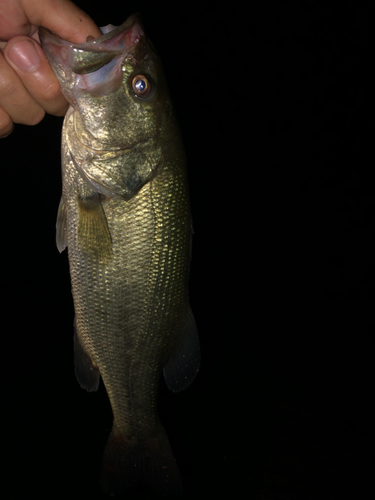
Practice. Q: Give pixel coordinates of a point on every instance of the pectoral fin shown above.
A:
(94, 237)
(183, 365)
(61, 240)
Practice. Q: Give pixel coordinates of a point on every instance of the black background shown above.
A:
(273, 103)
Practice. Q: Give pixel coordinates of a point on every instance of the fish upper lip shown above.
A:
(88, 57)
(92, 45)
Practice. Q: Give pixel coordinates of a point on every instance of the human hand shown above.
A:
(28, 86)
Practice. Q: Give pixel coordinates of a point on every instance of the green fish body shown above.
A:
(125, 218)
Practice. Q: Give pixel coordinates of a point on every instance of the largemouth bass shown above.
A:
(125, 218)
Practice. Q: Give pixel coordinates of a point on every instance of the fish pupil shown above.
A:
(140, 85)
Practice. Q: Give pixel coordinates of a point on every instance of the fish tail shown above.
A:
(140, 468)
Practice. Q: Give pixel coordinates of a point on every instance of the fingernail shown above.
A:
(25, 56)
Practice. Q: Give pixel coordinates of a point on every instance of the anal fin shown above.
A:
(183, 365)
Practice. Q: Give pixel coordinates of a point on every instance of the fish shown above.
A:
(125, 219)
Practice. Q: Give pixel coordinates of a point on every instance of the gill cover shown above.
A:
(116, 89)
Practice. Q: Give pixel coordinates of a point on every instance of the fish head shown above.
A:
(119, 105)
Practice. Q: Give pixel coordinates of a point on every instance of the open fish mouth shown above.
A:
(95, 65)
(90, 56)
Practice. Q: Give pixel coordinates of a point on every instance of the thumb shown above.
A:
(62, 17)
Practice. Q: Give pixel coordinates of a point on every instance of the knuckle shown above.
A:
(6, 124)
(53, 100)
(6, 85)
(52, 91)
(36, 117)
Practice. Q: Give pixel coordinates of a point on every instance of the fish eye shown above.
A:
(141, 86)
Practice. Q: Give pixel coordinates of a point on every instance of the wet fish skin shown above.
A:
(125, 218)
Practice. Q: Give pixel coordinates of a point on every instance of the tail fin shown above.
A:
(140, 468)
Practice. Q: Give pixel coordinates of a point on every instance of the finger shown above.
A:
(6, 124)
(15, 99)
(62, 17)
(13, 20)
(27, 59)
